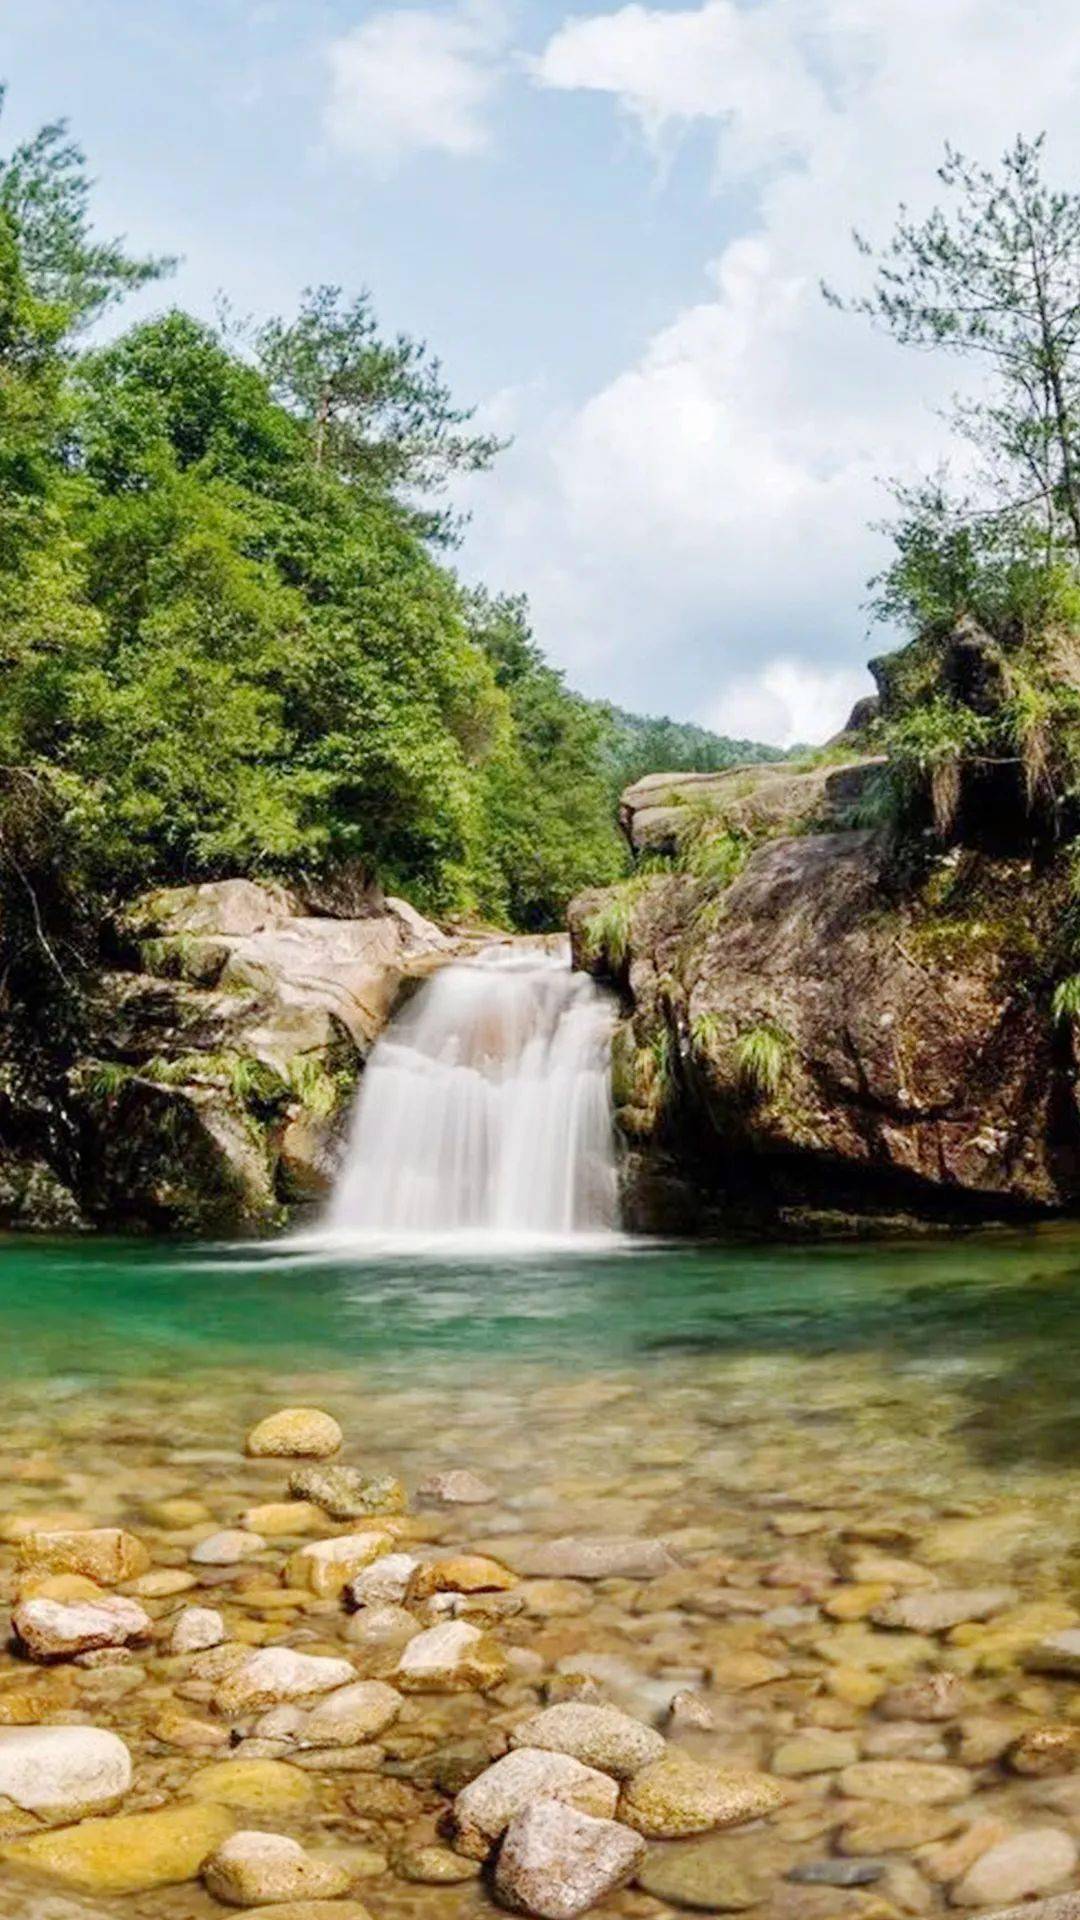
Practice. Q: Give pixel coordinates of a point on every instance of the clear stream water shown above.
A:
(987, 1323)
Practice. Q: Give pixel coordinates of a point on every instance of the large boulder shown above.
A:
(658, 812)
(224, 1044)
(834, 1048)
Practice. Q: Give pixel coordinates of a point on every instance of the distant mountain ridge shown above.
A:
(639, 743)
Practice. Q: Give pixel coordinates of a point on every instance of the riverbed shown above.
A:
(814, 1433)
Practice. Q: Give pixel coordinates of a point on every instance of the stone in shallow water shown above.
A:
(837, 1873)
(129, 1853)
(815, 1750)
(195, 1629)
(592, 1558)
(702, 1875)
(458, 1487)
(932, 1697)
(895, 1829)
(1027, 1863)
(227, 1548)
(106, 1555)
(325, 1567)
(484, 1809)
(311, 1910)
(351, 1715)
(938, 1611)
(384, 1583)
(1059, 1653)
(435, 1866)
(347, 1494)
(909, 1783)
(279, 1673)
(598, 1736)
(259, 1786)
(676, 1796)
(454, 1658)
(1046, 1750)
(556, 1862)
(53, 1630)
(250, 1868)
(69, 1770)
(294, 1432)
(465, 1573)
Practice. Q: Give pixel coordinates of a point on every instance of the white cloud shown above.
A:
(705, 509)
(789, 702)
(414, 79)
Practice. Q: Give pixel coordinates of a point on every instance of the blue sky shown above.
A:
(611, 224)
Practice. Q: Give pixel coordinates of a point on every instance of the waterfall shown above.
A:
(485, 1107)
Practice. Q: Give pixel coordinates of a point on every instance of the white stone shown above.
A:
(557, 1863)
(438, 1649)
(50, 1770)
(196, 1628)
(250, 1867)
(228, 1548)
(484, 1809)
(351, 1715)
(459, 1487)
(59, 1629)
(279, 1673)
(1035, 1861)
(385, 1582)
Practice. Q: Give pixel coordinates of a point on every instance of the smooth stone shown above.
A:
(702, 1875)
(598, 1736)
(457, 1488)
(939, 1610)
(62, 1770)
(294, 1433)
(283, 1518)
(258, 1786)
(384, 1583)
(688, 1709)
(127, 1853)
(837, 1873)
(311, 1910)
(931, 1697)
(894, 1829)
(484, 1809)
(347, 1494)
(106, 1555)
(815, 1750)
(351, 1715)
(1058, 1653)
(227, 1548)
(592, 1558)
(279, 1673)
(676, 1796)
(435, 1866)
(52, 1630)
(455, 1657)
(249, 1869)
(911, 1783)
(195, 1629)
(1045, 1750)
(325, 1567)
(1026, 1864)
(465, 1573)
(556, 1862)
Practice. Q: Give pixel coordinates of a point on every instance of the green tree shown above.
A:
(378, 411)
(45, 192)
(996, 279)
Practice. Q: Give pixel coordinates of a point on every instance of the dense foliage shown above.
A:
(637, 744)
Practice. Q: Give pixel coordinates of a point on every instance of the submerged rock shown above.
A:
(250, 1868)
(295, 1432)
(458, 1487)
(484, 1809)
(676, 1795)
(58, 1630)
(556, 1862)
(127, 1853)
(598, 1736)
(345, 1493)
(56, 1771)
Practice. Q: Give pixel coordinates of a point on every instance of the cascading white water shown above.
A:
(485, 1107)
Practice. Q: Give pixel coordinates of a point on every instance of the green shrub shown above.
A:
(762, 1056)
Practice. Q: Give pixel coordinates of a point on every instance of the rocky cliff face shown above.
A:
(217, 1054)
(816, 1045)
